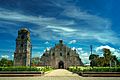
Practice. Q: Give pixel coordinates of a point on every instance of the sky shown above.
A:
(79, 23)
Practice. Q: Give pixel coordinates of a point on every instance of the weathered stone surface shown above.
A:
(60, 56)
(23, 48)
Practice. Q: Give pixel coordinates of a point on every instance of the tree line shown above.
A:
(107, 60)
(4, 62)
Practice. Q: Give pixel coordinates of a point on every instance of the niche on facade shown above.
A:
(68, 53)
(60, 54)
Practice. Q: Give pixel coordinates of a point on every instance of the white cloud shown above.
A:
(12, 55)
(36, 54)
(73, 48)
(66, 29)
(48, 48)
(91, 26)
(80, 49)
(7, 50)
(4, 56)
(106, 46)
(94, 27)
(46, 42)
(117, 53)
(114, 51)
(44, 21)
(85, 58)
(37, 47)
(72, 41)
(83, 55)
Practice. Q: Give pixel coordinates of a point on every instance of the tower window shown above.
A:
(21, 45)
(22, 37)
(60, 54)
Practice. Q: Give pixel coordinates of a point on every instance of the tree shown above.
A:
(106, 52)
(5, 62)
(110, 59)
(94, 59)
(107, 60)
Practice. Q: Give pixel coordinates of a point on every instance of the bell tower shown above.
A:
(22, 53)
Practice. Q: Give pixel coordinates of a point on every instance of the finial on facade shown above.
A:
(60, 41)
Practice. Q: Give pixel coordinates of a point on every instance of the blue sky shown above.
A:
(80, 23)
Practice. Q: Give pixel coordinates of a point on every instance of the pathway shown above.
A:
(62, 73)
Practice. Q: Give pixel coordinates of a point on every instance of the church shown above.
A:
(61, 56)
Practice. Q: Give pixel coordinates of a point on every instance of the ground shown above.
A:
(60, 74)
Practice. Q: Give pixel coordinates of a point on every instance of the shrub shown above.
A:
(23, 68)
(95, 69)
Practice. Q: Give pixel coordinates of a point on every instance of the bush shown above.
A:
(95, 69)
(23, 68)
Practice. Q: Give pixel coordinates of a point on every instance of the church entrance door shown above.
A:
(61, 65)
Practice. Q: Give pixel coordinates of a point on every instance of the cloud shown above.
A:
(73, 48)
(7, 50)
(46, 42)
(66, 29)
(106, 46)
(85, 58)
(83, 55)
(35, 47)
(90, 26)
(72, 41)
(37, 54)
(4, 56)
(117, 53)
(94, 27)
(38, 20)
(48, 48)
(12, 55)
(114, 51)
(81, 25)
(79, 49)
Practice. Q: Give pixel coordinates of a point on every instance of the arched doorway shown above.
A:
(61, 65)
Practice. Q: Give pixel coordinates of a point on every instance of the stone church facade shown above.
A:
(22, 53)
(61, 56)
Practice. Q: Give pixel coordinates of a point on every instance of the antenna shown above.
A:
(91, 48)
(61, 36)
